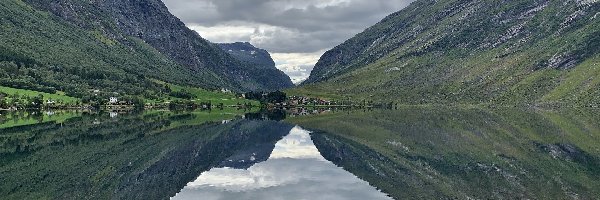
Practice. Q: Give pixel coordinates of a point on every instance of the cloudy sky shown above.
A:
(295, 32)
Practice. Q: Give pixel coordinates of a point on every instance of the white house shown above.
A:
(225, 90)
(113, 100)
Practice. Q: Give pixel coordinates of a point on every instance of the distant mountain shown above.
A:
(260, 58)
(246, 52)
(121, 46)
(472, 51)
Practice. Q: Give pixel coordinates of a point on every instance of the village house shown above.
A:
(225, 90)
(113, 100)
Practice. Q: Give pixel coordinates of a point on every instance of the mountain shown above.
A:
(251, 55)
(111, 46)
(246, 52)
(471, 52)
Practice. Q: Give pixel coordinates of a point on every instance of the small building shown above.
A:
(50, 102)
(113, 100)
(225, 90)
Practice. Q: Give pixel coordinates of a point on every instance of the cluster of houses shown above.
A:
(307, 101)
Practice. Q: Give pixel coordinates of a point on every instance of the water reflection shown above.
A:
(409, 153)
(294, 170)
(133, 156)
(456, 153)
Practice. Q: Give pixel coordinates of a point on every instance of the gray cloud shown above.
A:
(296, 25)
(283, 26)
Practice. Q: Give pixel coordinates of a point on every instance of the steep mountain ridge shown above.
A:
(42, 52)
(246, 52)
(471, 51)
(260, 58)
(114, 46)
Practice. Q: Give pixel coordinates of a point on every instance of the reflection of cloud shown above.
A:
(296, 145)
(295, 170)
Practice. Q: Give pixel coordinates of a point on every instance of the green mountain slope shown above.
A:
(467, 51)
(111, 46)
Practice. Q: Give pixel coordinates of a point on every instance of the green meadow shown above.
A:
(59, 96)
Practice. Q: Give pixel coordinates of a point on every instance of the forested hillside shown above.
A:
(110, 46)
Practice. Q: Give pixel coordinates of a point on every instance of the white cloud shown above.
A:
(297, 65)
(224, 33)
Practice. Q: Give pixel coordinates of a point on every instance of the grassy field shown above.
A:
(313, 91)
(59, 96)
(202, 95)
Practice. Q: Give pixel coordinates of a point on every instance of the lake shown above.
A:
(404, 153)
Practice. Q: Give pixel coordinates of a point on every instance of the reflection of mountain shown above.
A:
(427, 153)
(294, 170)
(134, 157)
(258, 146)
(187, 160)
(370, 165)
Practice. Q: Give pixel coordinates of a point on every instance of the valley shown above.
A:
(401, 99)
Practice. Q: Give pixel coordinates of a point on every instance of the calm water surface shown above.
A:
(294, 170)
(407, 153)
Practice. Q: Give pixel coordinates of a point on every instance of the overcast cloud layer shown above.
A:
(295, 32)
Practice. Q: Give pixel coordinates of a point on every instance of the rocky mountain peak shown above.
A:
(247, 52)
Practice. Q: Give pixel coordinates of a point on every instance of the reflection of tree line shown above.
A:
(25, 138)
(132, 157)
(264, 114)
(19, 118)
